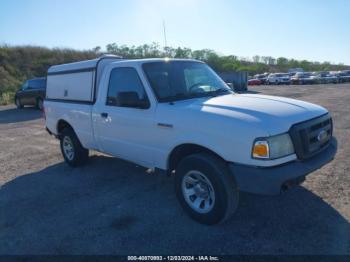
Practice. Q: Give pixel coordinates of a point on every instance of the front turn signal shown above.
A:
(261, 149)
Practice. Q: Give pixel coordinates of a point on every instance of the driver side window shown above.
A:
(125, 88)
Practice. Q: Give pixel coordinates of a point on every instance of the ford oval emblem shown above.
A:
(322, 135)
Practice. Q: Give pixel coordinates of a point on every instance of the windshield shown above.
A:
(178, 80)
(37, 83)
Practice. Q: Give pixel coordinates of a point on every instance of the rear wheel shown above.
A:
(18, 103)
(73, 152)
(206, 189)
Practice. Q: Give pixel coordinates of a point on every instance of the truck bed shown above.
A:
(79, 115)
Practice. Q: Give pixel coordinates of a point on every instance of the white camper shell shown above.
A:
(77, 81)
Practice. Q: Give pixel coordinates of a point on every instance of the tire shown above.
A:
(73, 152)
(39, 103)
(18, 103)
(220, 196)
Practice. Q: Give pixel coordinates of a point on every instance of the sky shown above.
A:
(316, 30)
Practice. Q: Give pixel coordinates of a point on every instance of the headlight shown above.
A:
(273, 147)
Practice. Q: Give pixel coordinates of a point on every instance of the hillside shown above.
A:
(18, 63)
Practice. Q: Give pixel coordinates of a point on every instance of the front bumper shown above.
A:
(273, 180)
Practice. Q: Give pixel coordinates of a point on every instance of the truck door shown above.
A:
(124, 117)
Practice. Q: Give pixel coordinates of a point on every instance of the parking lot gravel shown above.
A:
(114, 207)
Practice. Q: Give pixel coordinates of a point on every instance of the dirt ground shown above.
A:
(114, 207)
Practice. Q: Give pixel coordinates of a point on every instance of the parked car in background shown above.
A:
(278, 79)
(302, 78)
(342, 76)
(31, 93)
(262, 77)
(254, 82)
(347, 72)
(325, 78)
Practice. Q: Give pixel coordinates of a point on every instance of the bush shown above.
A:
(7, 98)
(19, 63)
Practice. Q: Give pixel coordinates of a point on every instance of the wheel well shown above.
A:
(185, 150)
(62, 124)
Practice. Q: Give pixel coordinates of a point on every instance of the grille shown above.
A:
(312, 136)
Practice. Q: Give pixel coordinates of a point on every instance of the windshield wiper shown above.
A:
(222, 90)
(219, 91)
(178, 96)
(183, 96)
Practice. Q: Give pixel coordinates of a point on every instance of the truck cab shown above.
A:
(180, 117)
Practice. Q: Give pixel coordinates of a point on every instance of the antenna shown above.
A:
(165, 42)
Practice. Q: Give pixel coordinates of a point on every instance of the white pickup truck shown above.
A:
(178, 116)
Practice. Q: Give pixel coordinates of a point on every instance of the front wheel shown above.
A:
(18, 103)
(73, 152)
(206, 189)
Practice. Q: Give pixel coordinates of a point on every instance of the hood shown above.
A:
(271, 113)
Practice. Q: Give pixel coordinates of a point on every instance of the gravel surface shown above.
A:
(114, 207)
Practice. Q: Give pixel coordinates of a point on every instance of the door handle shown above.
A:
(104, 115)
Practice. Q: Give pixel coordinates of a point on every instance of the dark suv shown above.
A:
(31, 93)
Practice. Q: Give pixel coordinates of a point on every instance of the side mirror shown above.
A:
(131, 99)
